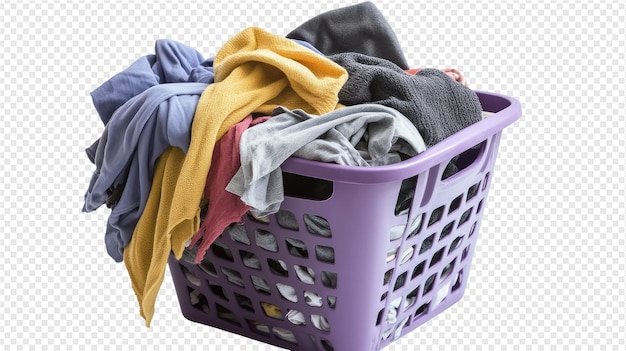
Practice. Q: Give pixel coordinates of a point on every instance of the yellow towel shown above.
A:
(146, 254)
(255, 71)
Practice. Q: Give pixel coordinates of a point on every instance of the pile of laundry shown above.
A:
(191, 144)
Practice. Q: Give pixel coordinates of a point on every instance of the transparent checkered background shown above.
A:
(549, 270)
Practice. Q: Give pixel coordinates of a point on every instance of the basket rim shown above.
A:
(506, 110)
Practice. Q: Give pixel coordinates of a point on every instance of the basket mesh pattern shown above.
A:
(263, 278)
(348, 265)
(427, 268)
(245, 281)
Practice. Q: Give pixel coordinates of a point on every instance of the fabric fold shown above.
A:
(223, 207)
(134, 138)
(255, 71)
(358, 28)
(172, 62)
(145, 254)
(145, 108)
(436, 104)
(359, 135)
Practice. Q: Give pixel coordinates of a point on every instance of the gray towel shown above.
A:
(436, 104)
(357, 28)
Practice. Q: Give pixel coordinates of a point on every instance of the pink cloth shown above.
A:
(453, 73)
(224, 207)
(412, 71)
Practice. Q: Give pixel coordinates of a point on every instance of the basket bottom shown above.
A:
(199, 308)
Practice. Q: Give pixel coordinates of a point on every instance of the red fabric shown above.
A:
(224, 207)
(453, 73)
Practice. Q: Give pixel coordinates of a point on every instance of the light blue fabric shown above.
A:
(136, 136)
(172, 62)
(145, 108)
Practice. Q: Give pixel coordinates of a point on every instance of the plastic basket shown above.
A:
(389, 273)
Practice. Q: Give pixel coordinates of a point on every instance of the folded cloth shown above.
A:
(254, 72)
(436, 104)
(359, 135)
(358, 28)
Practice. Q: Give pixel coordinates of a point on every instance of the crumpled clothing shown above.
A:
(437, 105)
(172, 62)
(254, 72)
(142, 115)
(359, 135)
(223, 207)
(145, 257)
(145, 108)
(137, 134)
(358, 28)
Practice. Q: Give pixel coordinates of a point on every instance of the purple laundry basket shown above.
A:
(388, 272)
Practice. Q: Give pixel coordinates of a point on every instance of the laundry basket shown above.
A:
(348, 267)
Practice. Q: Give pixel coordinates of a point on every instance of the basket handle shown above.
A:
(469, 162)
(506, 110)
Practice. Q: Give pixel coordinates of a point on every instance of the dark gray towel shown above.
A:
(436, 104)
(358, 28)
